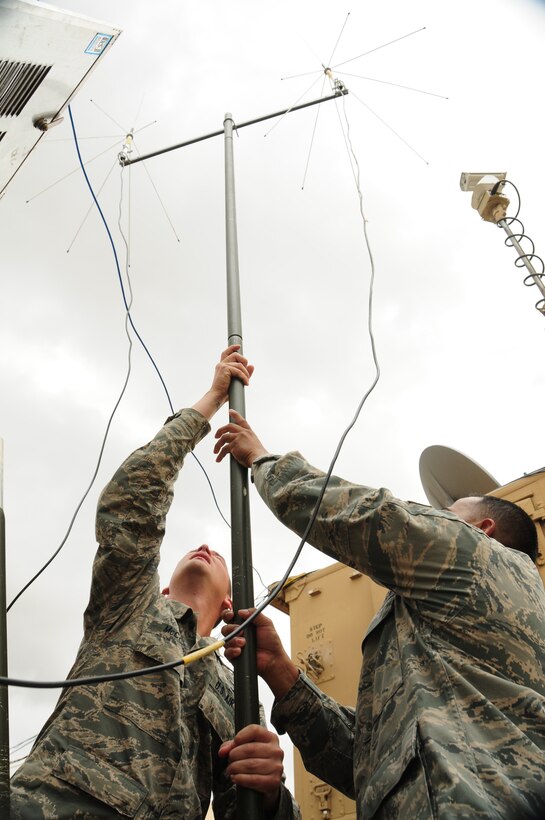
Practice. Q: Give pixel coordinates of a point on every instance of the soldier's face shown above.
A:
(207, 564)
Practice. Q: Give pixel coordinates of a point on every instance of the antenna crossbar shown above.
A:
(338, 93)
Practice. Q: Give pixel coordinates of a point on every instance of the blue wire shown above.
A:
(116, 259)
(127, 306)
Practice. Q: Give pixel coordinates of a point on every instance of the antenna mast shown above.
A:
(249, 802)
(4, 714)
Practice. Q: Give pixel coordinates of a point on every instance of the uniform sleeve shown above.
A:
(287, 808)
(427, 555)
(130, 522)
(322, 730)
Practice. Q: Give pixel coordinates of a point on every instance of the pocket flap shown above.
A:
(100, 779)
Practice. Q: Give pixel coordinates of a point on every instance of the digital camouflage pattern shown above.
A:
(144, 747)
(450, 715)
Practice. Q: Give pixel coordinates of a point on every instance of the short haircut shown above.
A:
(514, 527)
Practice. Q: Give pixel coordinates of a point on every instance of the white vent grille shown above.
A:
(18, 82)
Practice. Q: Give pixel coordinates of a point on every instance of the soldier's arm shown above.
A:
(416, 551)
(322, 730)
(421, 553)
(132, 509)
(130, 522)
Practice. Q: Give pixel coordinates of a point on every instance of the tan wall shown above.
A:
(329, 613)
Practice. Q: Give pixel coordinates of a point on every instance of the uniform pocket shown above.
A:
(153, 721)
(98, 778)
(151, 702)
(388, 773)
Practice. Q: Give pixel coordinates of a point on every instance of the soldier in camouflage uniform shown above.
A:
(147, 747)
(450, 714)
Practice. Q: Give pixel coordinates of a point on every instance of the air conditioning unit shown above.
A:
(45, 56)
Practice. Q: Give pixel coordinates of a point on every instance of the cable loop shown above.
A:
(521, 260)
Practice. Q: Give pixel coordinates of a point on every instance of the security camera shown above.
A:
(487, 197)
(469, 181)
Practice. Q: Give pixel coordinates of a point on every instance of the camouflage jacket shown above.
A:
(145, 747)
(450, 714)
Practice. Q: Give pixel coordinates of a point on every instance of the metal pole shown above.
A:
(124, 159)
(249, 803)
(522, 255)
(4, 712)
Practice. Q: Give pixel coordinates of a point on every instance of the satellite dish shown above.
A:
(45, 55)
(448, 475)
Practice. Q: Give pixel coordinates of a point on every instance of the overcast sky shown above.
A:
(459, 341)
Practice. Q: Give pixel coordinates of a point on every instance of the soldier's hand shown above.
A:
(255, 762)
(273, 662)
(239, 439)
(232, 365)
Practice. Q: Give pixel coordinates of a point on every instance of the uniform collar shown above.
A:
(184, 613)
(181, 611)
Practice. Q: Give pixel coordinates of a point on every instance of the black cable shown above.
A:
(211, 488)
(86, 493)
(94, 679)
(101, 452)
(327, 477)
(519, 235)
(495, 190)
(22, 743)
(129, 318)
(127, 308)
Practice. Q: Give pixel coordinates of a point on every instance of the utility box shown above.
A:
(529, 493)
(329, 611)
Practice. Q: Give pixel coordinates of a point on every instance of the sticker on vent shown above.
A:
(98, 44)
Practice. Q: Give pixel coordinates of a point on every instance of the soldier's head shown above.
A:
(500, 519)
(201, 579)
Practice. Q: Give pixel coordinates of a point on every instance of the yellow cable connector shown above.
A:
(202, 653)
